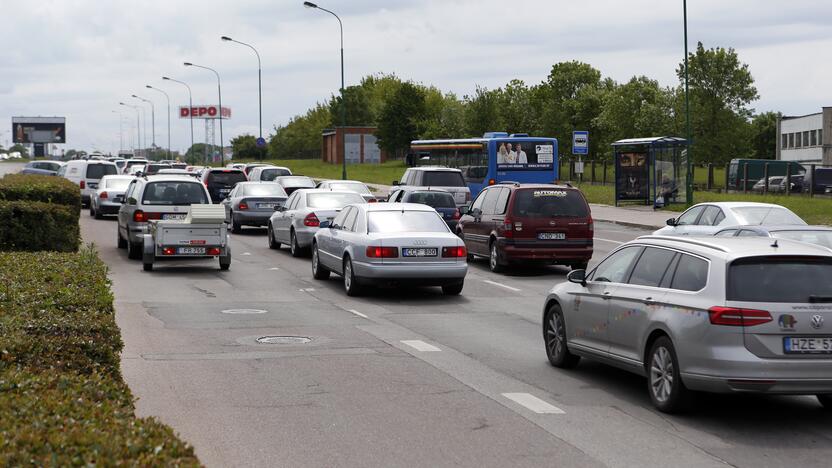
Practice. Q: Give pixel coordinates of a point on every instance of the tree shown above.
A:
(638, 108)
(18, 148)
(401, 118)
(302, 135)
(515, 109)
(482, 112)
(358, 111)
(764, 135)
(196, 154)
(245, 147)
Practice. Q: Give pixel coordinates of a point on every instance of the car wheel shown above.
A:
(294, 248)
(825, 401)
(225, 263)
(664, 382)
(319, 272)
(554, 336)
(92, 211)
(235, 226)
(453, 289)
(134, 251)
(120, 242)
(147, 266)
(350, 284)
(273, 244)
(494, 261)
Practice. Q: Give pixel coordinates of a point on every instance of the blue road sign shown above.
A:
(580, 142)
(261, 142)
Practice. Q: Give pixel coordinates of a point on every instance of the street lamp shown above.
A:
(689, 181)
(259, 80)
(152, 118)
(343, 100)
(168, 99)
(138, 126)
(219, 95)
(190, 104)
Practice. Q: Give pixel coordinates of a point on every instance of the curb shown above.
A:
(629, 224)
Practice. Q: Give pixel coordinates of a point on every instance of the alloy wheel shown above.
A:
(555, 335)
(661, 374)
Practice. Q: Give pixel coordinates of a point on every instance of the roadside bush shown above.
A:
(47, 189)
(33, 226)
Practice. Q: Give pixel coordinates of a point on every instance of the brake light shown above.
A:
(454, 252)
(103, 195)
(168, 251)
(139, 216)
(83, 184)
(456, 214)
(507, 228)
(214, 251)
(491, 181)
(243, 206)
(736, 317)
(311, 220)
(372, 200)
(382, 252)
(591, 225)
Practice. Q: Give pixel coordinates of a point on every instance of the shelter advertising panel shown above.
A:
(633, 176)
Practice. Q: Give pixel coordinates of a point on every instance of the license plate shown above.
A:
(419, 252)
(267, 205)
(177, 216)
(225, 191)
(551, 235)
(801, 345)
(191, 250)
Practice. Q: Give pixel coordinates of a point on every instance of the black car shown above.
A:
(220, 182)
(440, 200)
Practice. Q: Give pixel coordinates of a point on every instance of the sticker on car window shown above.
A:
(549, 193)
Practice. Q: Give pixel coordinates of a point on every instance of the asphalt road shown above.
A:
(407, 377)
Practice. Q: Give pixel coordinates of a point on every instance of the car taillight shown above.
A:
(467, 196)
(591, 225)
(103, 195)
(139, 216)
(508, 228)
(372, 200)
(491, 181)
(736, 317)
(456, 214)
(311, 220)
(212, 251)
(382, 252)
(83, 184)
(243, 206)
(454, 252)
(168, 251)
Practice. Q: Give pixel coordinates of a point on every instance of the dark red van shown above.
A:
(513, 223)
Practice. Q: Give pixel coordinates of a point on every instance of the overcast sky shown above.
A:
(79, 58)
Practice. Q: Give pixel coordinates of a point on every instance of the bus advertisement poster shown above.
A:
(525, 156)
(633, 178)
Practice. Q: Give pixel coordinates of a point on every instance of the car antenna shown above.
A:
(774, 244)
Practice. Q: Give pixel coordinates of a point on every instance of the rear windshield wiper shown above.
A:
(815, 298)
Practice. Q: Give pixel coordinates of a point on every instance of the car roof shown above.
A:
(118, 176)
(271, 166)
(434, 168)
(730, 248)
(225, 169)
(395, 207)
(339, 181)
(257, 182)
(741, 204)
(426, 189)
(316, 190)
(779, 227)
(534, 186)
(172, 178)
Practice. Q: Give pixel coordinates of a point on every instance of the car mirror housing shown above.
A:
(325, 225)
(672, 222)
(395, 182)
(577, 276)
(464, 210)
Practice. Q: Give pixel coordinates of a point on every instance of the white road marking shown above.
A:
(608, 240)
(306, 289)
(533, 403)
(246, 253)
(353, 311)
(274, 269)
(502, 285)
(420, 345)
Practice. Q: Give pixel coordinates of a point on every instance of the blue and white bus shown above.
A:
(494, 158)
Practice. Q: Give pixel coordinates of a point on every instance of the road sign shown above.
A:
(261, 142)
(580, 142)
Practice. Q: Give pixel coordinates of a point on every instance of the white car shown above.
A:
(86, 174)
(705, 219)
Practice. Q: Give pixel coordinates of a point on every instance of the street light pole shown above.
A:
(343, 100)
(190, 105)
(168, 99)
(689, 181)
(152, 118)
(219, 95)
(259, 79)
(138, 126)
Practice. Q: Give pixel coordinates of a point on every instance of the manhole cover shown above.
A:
(284, 340)
(244, 311)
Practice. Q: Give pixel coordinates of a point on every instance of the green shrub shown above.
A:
(47, 189)
(33, 226)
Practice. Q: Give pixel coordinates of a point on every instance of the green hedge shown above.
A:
(33, 226)
(62, 398)
(47, 189)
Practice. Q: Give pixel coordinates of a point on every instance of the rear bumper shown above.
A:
(424, 275)
(107, 208)
(304, 236)
(775, 376)
(253, 218)
(545, 251)
(767, 385)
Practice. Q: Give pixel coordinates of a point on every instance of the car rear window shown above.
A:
(263, 190)
(443, 179)
(97, 171)
(351, 186)
(433, 199)
(174, 193)
(226, 177)
(119, 184)
(406, 221)
(822, 238)
(332, 200)
(547, 203)
(271, 174)
(779, 279)
(766, 215)
(297, 182)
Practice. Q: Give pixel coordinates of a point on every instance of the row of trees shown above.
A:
(575, 96)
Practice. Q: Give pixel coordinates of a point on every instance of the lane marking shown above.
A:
(306, 289)
(274, 269)
(246, 253)
(608, 240)
(533, 403)
(502, 285)
(353, 311)
(420, 345)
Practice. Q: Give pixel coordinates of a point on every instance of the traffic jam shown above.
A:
(727, 298)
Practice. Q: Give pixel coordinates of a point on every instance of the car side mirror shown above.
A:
(395, 182)
(131, 201)
(476, 212)
(577, 276)
(672, 222)
(278, 208)
(325, 225)
(464, 210)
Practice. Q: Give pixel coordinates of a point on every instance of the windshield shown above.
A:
(433, 199)
(271, 174)
(297, 182)
(779, 279)
(226, 177)
(263, 190)
(822, 238)
(174, 193)
(97, 171)
(547, 203)
(406, 222)
(766, 215)
(332, 200)
(351, 186)
(443, 179)
(119, 184)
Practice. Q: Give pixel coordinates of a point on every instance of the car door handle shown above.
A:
(649, 301)
(607, 295)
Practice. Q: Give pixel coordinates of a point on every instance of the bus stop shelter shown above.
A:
(650, 171)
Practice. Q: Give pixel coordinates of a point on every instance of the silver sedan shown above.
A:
(386, 244)
(109, 196)
(296, 222)
(252, 204)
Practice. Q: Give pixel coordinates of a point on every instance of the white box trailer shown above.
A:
(202, 234)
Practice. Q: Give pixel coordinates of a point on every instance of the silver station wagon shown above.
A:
(711, 314)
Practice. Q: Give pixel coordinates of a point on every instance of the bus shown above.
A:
(494, 158)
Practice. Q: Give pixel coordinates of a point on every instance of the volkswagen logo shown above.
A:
(817, 321)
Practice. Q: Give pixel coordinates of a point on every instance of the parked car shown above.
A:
(818, 235)
(436, 177)
(775, 184)
(292, 183)
(268, 173)
(705, 219)
(220, 182)
(744, 173)
(528, 223)
(42, 167)
(87, 174)
(439, 199)
(351, 185)
(155, 197)
(298, 219)
(108, 197)
(711, 314)
(252, 204)
(385, 244)
(820, 181)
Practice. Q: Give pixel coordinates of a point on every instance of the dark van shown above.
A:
(819, 181)
(219, 182)
(512, 223)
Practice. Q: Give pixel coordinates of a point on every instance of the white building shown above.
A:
(806, 139)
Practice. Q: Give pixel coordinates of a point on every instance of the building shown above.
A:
(359, 144)
(806, 139)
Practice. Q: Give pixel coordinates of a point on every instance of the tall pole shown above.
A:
(689, 181)
(190, 106)
(219, 95)
(343, 100)
(168, 99)
(259, 79)
(138, 126)
(152, 118)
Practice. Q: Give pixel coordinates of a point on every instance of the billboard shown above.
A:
(525, 156)
(204, 112)
(38, 130)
